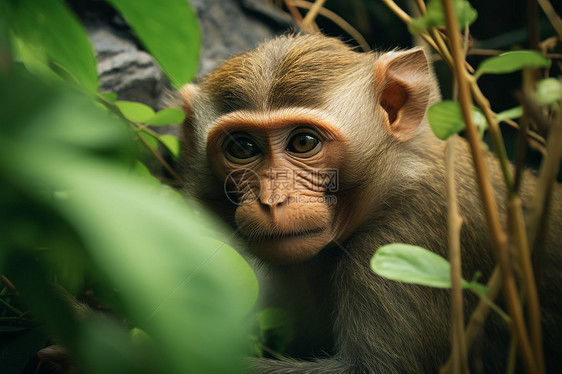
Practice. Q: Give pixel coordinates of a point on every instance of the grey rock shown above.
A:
(229, 27)
(126, 70)
(232, 27)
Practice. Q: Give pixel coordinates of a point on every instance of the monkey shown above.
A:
(325, 155)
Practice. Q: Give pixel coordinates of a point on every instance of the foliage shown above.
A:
(413, 264)
(445, 119)
(416, 265)
(434, 16)
(78, 207)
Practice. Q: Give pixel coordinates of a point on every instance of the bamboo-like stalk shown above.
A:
(547, 174)
(459, 350)
(345, 26)
(554, 18)
(294, 12)
(498, 236)
(308, 21)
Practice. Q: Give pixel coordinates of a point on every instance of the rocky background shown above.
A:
(229, 27)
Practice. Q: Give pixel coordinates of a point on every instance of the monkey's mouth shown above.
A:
(281, 235)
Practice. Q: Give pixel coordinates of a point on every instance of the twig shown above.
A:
(496, 52)
(161, 160)
(459, 352)
(495, 132)
(529, 287)
(308, 21)
(521, 152)
(139, 127)
(538, 210)
(539, 140)
(404, 17)
(554, 18)
(498, 236)
(294, 12)
(345, 26)
(479, 315)
(421, 6)
(13, 309)
(8, 283)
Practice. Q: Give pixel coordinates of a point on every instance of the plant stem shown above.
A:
(547, 174)
(528, 288)
(343, 24)
(161, 160)
(13, 309)
(294, 11)
(554, 19)
(139, 127)
(308, 21)
(499, 239)
(459, 352)
(479, 315)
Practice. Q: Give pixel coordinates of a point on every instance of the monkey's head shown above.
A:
(293, 142)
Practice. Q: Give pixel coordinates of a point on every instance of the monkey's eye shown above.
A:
(303, 143)
(242, 149)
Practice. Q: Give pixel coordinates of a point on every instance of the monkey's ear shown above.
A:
(406, 82)
(187, 94)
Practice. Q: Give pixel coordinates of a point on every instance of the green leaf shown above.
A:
(186, 290)
(413, 264)
(142, 171)
(168, 116)
(480, 289)
(111, 96)
(512, 61)
(276, 329)
(512, 113)
(149, 139)
(272, 318)
(445, 119)
(435, 17)
(226, 260)
(171, 33)
(136, 112)
(139, 337)
(172, 143)
(48, 26)
(548, 91)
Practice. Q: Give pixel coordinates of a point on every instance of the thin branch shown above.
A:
(486, 191)
(294, 12)
(539, 208)
(529, 287)
(459, 352)
(554, 18)
(167, 166)
(139, 127)
(308, 21)
(9, 306)
(8, 283)
(479, 315)
(404, 17)
(496, 52)
(495, 132)
(343, 24)
(539, 141)
(521, 152)
(421, 6)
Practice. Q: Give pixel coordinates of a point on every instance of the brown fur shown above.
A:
(392, 188)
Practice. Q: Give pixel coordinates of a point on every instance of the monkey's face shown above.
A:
(290, 115)
(281, 173)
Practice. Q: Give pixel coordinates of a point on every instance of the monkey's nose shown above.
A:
(274, 202)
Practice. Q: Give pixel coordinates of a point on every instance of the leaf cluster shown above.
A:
(79, 208)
